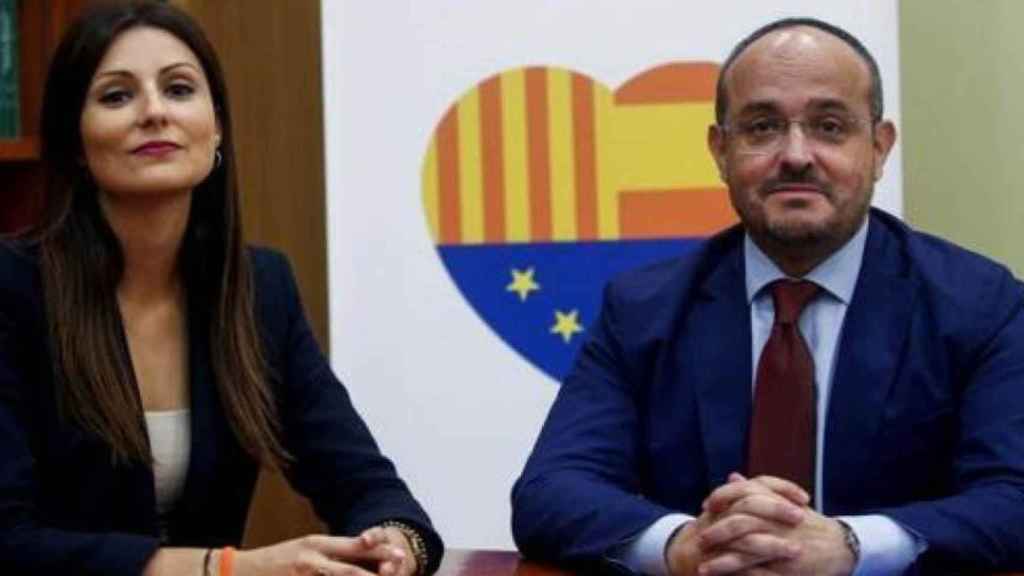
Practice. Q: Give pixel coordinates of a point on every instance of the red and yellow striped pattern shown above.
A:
(548, 155)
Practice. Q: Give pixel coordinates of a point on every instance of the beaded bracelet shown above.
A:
(416, 542)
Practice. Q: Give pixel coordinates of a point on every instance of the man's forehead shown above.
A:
(799, 42)
(797, 37)
(799, 56)
(811, 104)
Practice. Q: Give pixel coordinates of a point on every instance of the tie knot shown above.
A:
(790, 298)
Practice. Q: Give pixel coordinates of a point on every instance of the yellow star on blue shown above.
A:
(523, 283)
(567, 324)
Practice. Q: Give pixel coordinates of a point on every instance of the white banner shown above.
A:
(489, 163)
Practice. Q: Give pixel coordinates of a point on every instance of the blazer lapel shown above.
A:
(138, 489)
(873, 339)
(203, 417)
(719, 323)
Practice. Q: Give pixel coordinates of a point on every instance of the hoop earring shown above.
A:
(218, 159)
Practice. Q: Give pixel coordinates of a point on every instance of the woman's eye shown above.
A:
(180, 90)
(115, 97)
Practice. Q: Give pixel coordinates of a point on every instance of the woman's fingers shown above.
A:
(359, 549)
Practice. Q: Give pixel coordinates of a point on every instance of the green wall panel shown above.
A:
(962, 76)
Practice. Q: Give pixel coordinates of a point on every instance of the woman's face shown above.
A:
(148, 125)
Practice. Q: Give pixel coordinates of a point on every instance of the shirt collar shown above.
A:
(837, 274)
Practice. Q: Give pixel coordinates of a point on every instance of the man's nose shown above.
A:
(796, 151)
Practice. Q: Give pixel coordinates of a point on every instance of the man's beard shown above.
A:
(822, 238)
(796, 232)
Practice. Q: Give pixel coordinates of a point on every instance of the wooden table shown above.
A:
(503, 563)
(492, 563)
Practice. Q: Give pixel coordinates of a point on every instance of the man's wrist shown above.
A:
(851, 542)
(644, 552)
(681, 553)
(886, 547)
(668, 545)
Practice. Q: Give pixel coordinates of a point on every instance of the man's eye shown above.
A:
(764, 127)
(832, 127)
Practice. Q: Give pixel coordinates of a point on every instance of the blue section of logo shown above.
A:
(540, 298)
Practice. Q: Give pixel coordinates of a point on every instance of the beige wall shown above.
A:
(963, 122)
(270, 51)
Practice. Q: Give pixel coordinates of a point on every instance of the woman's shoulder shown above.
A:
(21, 293)
(19, 266)
(273, 282)
(265, 259)
(271, 269)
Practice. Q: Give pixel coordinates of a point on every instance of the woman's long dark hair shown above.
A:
(82, 262)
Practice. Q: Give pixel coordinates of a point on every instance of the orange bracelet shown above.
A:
(226, 566)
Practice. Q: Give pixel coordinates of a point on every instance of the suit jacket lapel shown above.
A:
(721, 365)
(874, 335)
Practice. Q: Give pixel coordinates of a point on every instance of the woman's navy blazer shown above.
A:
(65, 508)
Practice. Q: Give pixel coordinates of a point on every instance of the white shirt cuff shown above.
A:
(645, 554)
(886, 548)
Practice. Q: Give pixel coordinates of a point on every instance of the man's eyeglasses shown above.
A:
(764, 135)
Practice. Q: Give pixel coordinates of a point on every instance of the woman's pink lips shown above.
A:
(155, 148)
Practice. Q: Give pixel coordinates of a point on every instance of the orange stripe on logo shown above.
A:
(448, 177)
(539, 153)
(492, 149)
(674, 212)
(586, 169)
(671, 83)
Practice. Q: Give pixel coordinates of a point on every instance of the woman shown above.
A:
(150, 364)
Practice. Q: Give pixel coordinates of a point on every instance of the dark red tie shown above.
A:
(782, 430)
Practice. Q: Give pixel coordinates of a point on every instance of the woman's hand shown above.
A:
(372, 553)
(392, 537)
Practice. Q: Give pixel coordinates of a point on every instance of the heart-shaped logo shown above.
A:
(540, 184)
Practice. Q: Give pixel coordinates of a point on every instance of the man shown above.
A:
(820, 390)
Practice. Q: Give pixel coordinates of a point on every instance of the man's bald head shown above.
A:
(875, 91)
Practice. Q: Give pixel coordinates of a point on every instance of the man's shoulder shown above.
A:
(676, 279)
(954, 274)
(658, 279)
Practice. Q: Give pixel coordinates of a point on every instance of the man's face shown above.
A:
(799, 151)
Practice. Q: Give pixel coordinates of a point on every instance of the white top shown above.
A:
(170, 436)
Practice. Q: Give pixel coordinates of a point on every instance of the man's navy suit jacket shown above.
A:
(66, 509)
(925, 420)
